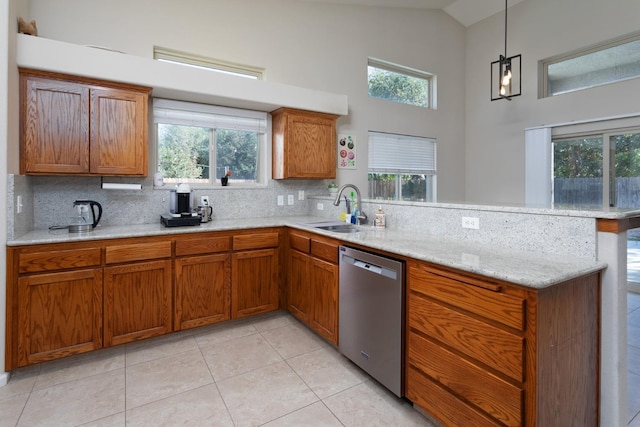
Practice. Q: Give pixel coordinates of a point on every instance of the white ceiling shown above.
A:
(467, 12)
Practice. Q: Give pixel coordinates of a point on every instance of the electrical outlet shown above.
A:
(300, 194)
(320, 206)
(280, 200)
(290, 200)
(470, 222)
(19, 204)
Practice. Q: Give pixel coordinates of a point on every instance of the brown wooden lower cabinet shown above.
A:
(137, 301)
(482, 352)
(254, 282)
(312, 282)
(202, 290)
(59, 314)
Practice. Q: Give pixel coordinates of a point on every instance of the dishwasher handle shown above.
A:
(373, 268)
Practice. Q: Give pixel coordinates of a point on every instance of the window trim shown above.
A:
(201, 61)
(408, 71)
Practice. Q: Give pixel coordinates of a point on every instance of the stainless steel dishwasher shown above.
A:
(371, 315)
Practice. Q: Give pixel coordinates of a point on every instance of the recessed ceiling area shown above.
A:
(467, 12)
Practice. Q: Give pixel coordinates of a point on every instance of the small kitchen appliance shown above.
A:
(180, 211)
(205, 210)
(85, 219)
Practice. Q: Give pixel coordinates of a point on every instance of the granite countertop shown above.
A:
(534, 270)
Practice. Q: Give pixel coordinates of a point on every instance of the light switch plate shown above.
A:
(281, 200)
(290, 200)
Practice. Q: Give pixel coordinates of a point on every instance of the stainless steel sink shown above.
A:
(335, 226)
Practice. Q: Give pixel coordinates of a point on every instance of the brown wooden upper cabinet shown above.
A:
(76, 126)
(304, 144)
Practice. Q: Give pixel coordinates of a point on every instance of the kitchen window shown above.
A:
(613, 61)
(199, 144)
(402, 167)
(200, 61)
(398, 83)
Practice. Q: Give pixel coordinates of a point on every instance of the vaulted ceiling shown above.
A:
(467, 12)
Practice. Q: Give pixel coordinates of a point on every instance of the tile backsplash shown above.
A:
(48, 200)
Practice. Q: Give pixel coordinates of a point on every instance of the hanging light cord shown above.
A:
(505, 27)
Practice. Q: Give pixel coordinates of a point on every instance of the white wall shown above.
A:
(318, 46)
(537, 29)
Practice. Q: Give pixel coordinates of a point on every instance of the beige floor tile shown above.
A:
(155, 348)
(11, 408)
(316, 415)
(160, 378)
(369, 404)
(198, 407)
(291, 341)
(116, 420)
(80, 366)
(21, 381)
(264, 394)
(238, 356)
(76, 402)
(222, 332)
(326, 372)
(274, 320)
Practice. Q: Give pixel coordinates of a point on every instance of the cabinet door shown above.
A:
(60, 314)
(299, 286)
(254, 282)
(311, 148)
(137, 301)
(304, 144)
(324, 297)
(203, 287)
(54, 127)
(118, 132)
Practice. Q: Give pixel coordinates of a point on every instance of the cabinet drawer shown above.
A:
(327, 251)
(429, 395)
(207, 245)
(31, 262)
(495, 396)
(255, 241)
(299, 242)
(137, 252)
(484, 299)
(495, 347)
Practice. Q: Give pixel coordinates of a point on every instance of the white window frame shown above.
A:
(609, 48)
(414, 159)
(215, 117)
(201, 61)
(411, 72)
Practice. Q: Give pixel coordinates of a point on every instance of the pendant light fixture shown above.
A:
(506, 71)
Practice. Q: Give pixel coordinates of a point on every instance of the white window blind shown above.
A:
(212, 116)
(390, 153)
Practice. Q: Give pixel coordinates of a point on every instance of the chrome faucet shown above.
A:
(361, 218)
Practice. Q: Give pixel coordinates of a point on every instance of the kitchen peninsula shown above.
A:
(517, 253)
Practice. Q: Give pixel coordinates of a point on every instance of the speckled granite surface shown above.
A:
(531, 269)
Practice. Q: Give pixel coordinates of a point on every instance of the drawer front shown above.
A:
(299, 242)
(446, 407)
(137, 252)
(58, 260)
(207, 245)
(471, 296)
(255, 241)
(327, 251)
(489, 393)
(497, 348)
